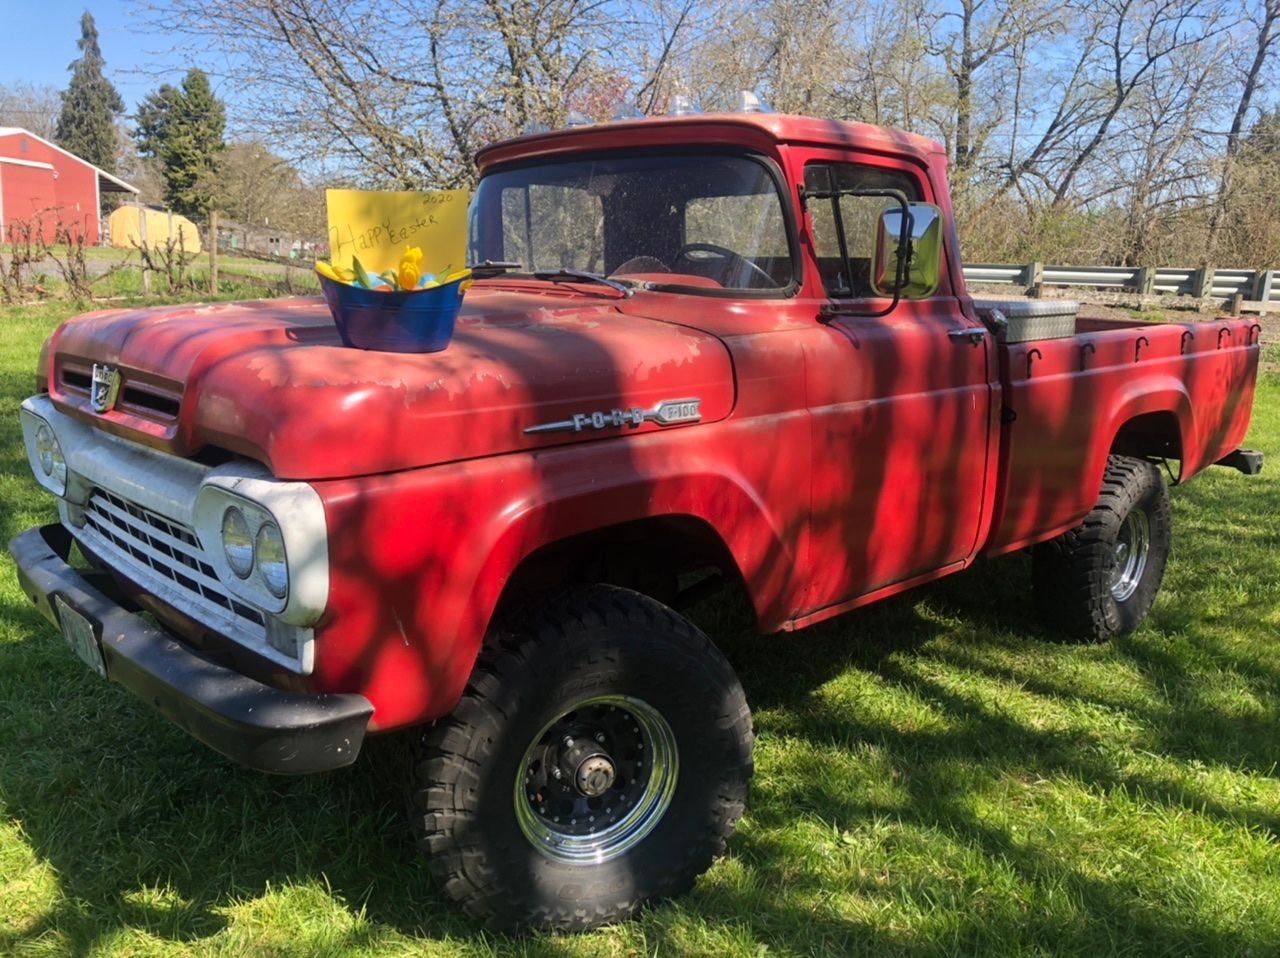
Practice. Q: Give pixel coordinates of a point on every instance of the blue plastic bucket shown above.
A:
(413, 321)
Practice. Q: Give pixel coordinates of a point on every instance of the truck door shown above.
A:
(900, 406)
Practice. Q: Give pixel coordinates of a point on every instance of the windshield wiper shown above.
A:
(493, 268)
(581, 276)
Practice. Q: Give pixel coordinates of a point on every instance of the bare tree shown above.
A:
(1162, 164)
(892, 80)
(970, 40)
(30, 106)
(1136, 36)
(1075, 127)
(406, 92)
(1264, 18)
(258, 189)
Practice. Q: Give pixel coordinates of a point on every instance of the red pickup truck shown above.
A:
(714, 348)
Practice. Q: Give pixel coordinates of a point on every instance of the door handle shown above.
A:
(971, 334)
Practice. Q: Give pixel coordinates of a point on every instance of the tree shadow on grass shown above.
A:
(894, 644)
(118, 802)
(1057, 906)
(144, 828)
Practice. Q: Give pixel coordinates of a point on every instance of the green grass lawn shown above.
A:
(933, 777)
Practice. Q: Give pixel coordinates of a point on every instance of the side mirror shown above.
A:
(923, 253)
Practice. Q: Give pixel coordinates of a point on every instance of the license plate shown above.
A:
(78, 631)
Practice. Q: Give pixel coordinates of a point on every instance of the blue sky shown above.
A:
(38, 43)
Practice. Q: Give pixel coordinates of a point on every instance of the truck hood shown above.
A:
(271, 381)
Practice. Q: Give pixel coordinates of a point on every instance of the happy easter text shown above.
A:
(386, 233)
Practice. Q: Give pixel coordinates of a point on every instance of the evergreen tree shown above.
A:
(182, 128)
(90, 104)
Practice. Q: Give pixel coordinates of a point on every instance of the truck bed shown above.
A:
(1172, 390)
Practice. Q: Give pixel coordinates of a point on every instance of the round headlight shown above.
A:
(237, 542)
(272, 566)
(49, 455)
(45, 444)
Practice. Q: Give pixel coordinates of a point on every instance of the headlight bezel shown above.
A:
(47, 442)
(210, 513)
(296, 510)
(38, 437)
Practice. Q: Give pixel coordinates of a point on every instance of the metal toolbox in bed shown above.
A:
(1027, 319)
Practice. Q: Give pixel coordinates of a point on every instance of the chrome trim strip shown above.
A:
(669, 412)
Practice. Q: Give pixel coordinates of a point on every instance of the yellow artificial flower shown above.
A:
(410, 267)
(324, 269)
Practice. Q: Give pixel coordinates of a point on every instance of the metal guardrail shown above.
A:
(1202, 282)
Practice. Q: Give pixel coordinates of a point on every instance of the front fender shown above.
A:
(419, 559)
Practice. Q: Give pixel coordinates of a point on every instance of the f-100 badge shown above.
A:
(669, 412)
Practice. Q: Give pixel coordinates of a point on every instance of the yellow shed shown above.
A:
(124, 232)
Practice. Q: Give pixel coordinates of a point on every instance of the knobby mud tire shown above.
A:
(593, 641)
(1073, 575)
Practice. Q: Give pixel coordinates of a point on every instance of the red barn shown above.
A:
(43, 183)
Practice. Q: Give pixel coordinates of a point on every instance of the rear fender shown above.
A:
(1145, 396)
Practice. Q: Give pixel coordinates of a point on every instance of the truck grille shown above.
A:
(152, 400)
(169, 553)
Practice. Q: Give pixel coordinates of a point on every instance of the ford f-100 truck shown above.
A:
(722, 347)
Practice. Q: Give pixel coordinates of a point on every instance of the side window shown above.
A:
(550, 226)
(860, 215)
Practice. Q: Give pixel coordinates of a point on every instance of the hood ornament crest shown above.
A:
(104, 387)
(669, 412)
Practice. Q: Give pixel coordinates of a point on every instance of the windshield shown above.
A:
(704, 222)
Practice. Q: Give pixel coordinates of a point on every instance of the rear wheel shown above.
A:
(1101, 578)
(598, 760)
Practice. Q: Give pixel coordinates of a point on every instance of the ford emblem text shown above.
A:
(104, 387)
(669, 412)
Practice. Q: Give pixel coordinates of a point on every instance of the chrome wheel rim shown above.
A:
(1129, 560)
(596, 779)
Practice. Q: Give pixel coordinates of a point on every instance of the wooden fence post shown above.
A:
(1033, 274)
(1262, 285)
(1202, 282)
(142, 241)
(1145, 281)
(213, 252)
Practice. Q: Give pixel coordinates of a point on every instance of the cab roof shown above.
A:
(711, 128)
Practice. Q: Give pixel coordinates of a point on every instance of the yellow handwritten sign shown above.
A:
(377, 226)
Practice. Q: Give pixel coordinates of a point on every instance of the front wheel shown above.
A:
(1101, 578)
(598, 760)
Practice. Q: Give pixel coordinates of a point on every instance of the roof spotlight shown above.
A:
(682, 105)
(748, 101)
